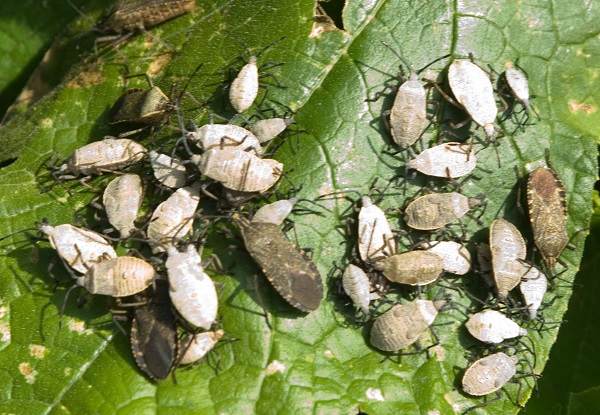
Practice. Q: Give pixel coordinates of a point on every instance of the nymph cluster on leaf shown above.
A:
(151, 228)
(427, 246)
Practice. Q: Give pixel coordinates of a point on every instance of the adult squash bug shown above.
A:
(154, 333)
(546, 200)
(288, 269)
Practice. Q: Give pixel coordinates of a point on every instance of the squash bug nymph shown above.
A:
(80, 248)
(449, 160)
(491, 326)
(473, 90)
(240, 170)
(275, 212)
(456, 257)
(192, 291)
(408, 116)
(196, 346)
(221, 136)
(244, 88)
(533, 286)
(489, 374)
(401, 325)
(437, 210)
(122, 199)
(118, 277)
(103, 156)
(173, 218)
(375, 237)
(414, 268)
(169, 171)
(515, 80)
(357, 286)
(508, 249)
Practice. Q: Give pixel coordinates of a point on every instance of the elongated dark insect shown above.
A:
(138, 15)
(142, 106)
(288, 269)
(546, 199)
(154, 333)
(148, 107)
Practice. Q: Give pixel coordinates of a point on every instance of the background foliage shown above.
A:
(327, 365)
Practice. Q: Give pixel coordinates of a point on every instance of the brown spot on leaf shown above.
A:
(158, 64)
(587, 109)
(27, 371)
(85, 79)
(37, 351)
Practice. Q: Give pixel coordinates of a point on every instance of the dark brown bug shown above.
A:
(290, 271)
(142, 106)
(154, 333)
(547, 204)
(128, 16)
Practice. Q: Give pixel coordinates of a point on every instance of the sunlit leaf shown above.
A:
(314, 363)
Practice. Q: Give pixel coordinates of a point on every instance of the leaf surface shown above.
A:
(314, 363)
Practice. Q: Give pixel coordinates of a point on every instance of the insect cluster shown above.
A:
(227, 169)
(386, 282)
(154, 258)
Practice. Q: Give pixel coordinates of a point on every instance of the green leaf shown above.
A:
(586, 402)
(313, 363)
(27, 29)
